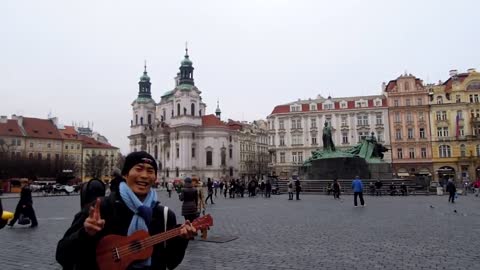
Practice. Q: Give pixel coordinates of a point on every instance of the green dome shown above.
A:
(186, 61)
(145, 77)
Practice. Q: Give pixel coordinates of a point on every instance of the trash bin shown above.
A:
(439, 191)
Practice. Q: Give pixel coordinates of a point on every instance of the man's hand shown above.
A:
(94, 223)
(187, 231)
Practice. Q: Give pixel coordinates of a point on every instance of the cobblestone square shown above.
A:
(317, 232)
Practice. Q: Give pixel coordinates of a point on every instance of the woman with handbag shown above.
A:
(24, 208)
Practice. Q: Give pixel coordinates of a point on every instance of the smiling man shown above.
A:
(134, 207)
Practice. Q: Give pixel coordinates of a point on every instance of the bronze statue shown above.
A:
(327, 138)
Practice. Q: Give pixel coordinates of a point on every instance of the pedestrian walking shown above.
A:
(25, 207)
(215, 188)
(452, 190)
(201, 196)
(357, 187)
(290, 189)
(189, 196)
(336, 189)
(298, 188)
(378, 187)
(117, 179)
(210, 191)
(170, 188)
(268, 188)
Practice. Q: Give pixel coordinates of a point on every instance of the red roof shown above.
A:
(69, 133)
(211, 120)
(449, 82)
(88, 142)
(40, 128)
(281, 109)
(234, 125)
(10, 128)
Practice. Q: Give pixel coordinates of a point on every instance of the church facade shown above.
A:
(176, 130)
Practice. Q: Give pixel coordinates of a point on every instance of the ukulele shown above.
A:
(116, 252)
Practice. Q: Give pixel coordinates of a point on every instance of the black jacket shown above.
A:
(76, 250)
(190, 200)
(451, 187)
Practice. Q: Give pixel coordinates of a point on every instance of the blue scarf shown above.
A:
(142, 212)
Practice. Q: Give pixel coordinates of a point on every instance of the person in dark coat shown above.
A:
(378, 187)
(119, 214)
(336, 189)
(268, 188)
(3, 222)
(189, 196)
(91, 190)
(298, 188)
(451, 189)
(25, 207)
(210, 191)
(117, 179)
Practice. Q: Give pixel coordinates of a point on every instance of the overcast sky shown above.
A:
(81, 60)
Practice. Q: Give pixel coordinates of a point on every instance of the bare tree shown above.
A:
(120, 161)
(95, 166)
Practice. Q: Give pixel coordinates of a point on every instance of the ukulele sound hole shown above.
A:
(135, 246)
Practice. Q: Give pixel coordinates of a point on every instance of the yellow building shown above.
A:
(455, 126)
(92, 148)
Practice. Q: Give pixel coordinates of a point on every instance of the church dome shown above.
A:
(186, 61)
(145, 77)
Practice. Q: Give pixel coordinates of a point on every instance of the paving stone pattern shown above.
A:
(317, 232)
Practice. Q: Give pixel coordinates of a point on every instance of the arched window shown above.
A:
(463, 150)
(164, 115)
(192, 109)
(177, 174)
(149, 119)
(184, 111)
(168, 172)
(444, 151)
(178, 109)
(141, 120)
(155, 151)
(200, 113)
(407, 86)
(136, 119)
(209, 158)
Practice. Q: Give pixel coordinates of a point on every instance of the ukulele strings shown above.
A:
(126, 249)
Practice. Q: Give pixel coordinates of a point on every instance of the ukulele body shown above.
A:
(111, 257)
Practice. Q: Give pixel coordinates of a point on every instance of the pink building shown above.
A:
(409, 126)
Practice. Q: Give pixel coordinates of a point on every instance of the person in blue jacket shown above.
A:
(357, 187)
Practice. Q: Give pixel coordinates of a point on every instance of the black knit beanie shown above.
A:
(138, 157)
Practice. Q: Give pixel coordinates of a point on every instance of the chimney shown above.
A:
(471, 70)
(3, 119)
(453, 73)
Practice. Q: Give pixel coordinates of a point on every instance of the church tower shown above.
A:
(143, 109)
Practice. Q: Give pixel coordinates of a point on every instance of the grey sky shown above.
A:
(81, 60)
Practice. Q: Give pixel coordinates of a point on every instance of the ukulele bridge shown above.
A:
(116, 255)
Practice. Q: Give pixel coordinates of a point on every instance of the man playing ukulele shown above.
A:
(134, 207)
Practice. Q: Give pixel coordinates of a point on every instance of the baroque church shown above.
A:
(184, 140)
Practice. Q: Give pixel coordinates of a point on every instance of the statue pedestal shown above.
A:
(338, 167)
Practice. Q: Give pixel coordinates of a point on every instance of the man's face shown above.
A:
(140, 178)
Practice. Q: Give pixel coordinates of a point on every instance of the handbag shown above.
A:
(23, 220)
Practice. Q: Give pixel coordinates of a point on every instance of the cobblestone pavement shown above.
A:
(316, 232)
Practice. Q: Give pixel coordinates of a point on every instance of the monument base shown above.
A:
(347, 168)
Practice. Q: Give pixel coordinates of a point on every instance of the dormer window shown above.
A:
(361, 104)
(378, 103)
(295, 108)
(343, 104)
(328, 106)
(313, 107)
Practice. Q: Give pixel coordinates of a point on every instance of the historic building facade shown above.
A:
(409, 121)
(455, 124)
(254, 155)
(295, 129)
(177, 132)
